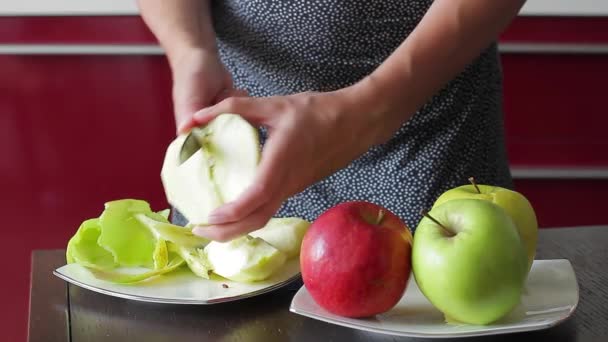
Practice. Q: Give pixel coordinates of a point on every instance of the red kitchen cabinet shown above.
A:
(77, 130)
(564, 29)
(84, 130)
(75, 30)
(554, 109)
(566, 202)
(555, 72)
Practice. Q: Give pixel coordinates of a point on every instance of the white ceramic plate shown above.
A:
(550, 297)
(181, 286)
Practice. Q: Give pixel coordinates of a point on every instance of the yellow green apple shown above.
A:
(469, 261)
(514, 203)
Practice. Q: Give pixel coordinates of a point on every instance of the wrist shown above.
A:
(177, 54)
(381, 104)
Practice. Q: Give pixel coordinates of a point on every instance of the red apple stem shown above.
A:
(380, 217)
(447, 231)
(472, 180)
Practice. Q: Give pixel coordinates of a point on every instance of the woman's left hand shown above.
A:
(311, 136)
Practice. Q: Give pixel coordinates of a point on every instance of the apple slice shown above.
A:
(244, 259)
(222, 167)
(233, 148)
(195, 258)
(285, 234)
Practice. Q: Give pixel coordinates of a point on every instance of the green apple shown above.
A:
(244, 259)
(514, 203)
(468, 260)
(285, 234)
(213, 168)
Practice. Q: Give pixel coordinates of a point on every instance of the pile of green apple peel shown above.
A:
(213, 170)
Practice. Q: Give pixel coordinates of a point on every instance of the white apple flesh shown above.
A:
(221, 167)
(285, 234)
(233, 148)
(218, 172)
(188, 186)
(244, 259)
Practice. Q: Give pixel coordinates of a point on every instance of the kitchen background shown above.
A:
(85, 117)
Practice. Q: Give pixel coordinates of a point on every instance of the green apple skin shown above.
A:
(476, 276)
(514, 203)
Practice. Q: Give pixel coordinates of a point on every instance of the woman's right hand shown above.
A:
(200, 80)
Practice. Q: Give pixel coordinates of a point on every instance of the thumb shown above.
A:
(185, 111)
(183, 114)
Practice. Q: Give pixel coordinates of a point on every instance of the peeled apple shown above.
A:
(218, 171)
(201, 171)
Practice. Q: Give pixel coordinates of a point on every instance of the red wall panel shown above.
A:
(554, 109)
(68, 30)
(76, 132)
(131, 29)
(566, 203)
(557, 29)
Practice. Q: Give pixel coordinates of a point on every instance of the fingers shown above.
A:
(266, 188)
(253, 208)
(239, 93)
(229, 231)
(186, 121)
(183, 114)
(189, 96)
(251, 109)
(253, 198)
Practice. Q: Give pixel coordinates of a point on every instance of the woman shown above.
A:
(388, 101)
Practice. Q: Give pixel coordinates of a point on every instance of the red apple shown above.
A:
(356, 259)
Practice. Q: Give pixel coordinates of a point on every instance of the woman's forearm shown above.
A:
(450, 36)
(179, 25)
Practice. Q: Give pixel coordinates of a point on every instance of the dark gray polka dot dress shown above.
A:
(275, 47)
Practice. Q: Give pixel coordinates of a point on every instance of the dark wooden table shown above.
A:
(62, 312)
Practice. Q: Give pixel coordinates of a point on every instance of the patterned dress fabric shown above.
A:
(275, 47)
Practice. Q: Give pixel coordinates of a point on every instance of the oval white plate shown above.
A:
(550, 297)
(181, 286)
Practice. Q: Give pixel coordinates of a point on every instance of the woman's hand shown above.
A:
(199, 81)
(311, 135)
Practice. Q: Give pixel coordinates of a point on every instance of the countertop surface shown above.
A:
(63, 312)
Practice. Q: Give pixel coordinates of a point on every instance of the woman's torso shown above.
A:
(326, 44)
(282, 47)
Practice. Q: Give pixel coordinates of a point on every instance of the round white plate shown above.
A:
(550, 297)
(181, 286)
